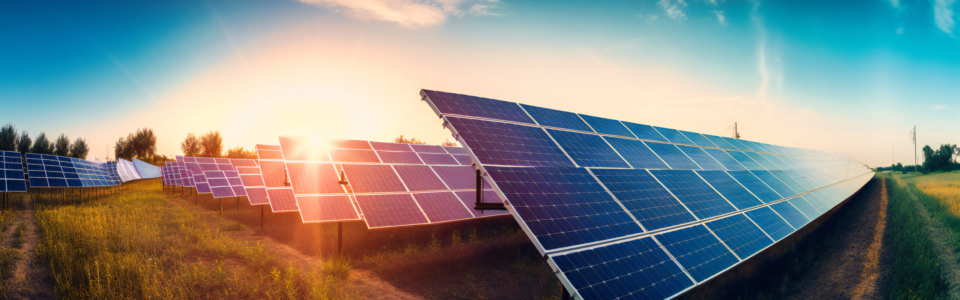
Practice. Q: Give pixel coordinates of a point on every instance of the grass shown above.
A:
(469, 266)
(137, 245)
(916, 270)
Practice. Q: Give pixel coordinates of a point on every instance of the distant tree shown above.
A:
(898, 167)
(239, 152)
(212, 144)
(448, 143)
(79, 149)
(42, 145)
(401, 139)
(62, 146)
(141, 145)
(190, 146)
(121, 149)
(8, 138)
(24, 143)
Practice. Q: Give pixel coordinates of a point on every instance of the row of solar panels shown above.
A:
(383, 184)
(42, 170)
(630, 210)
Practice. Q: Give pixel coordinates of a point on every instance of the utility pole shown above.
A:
(913, 135)
(736, 133)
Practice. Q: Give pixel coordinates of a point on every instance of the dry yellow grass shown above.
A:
(944, 186)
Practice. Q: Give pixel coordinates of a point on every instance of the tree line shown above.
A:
(140, 144)
(942, 159)
(13, 140)
(211, 145)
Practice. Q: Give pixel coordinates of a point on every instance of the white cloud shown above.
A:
(943, 15)
(720, 17)
(769, 65)
(673, 8)
(895, 3)
(409, 13)
(939, 107)
(900, 30)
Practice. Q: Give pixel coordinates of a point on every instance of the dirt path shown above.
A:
(941, 237)
(855, 266)
(30, 279)
(365, 283)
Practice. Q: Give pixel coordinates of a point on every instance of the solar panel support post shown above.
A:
(480, 205)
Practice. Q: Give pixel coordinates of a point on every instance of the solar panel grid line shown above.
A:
(724, 243)
(624, 207)
(696, 268)
(574, 162)
(636, 153)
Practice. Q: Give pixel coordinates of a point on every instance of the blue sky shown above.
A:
(848, 76)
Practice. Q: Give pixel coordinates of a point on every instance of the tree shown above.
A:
(212, 144)
(79, 149)
(141, 145)
(448, 143)
(42, 145)
(402, 140)
(239, 152)
(190, 146)
(8, 138)
(121, 149)
(62, 146)
(23, 145)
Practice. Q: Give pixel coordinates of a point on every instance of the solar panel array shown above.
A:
(145, 169)
(623, 209)
(127, 170)
(57, 171)
(11, 172)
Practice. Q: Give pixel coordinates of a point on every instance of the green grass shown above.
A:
(916, 271)
(137, 245)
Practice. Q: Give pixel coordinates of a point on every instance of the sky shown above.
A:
(844, 76)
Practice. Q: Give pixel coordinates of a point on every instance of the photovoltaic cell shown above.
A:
(459, 177)
(329, 208)
(790, 214)
(509, 144)
(391, 157)
(770, 222)
(457, 150)
(716, 140)
(282, 200)
(730, 189)
(300, 148)
(766, 164)
(420, 178)
(427, 148)
(752, 183)
(786, 179)
(815, 201)
(635, 269)
(644, 197)
(733, 142)
(391, 146)
(673, 135)
(607, 126)
(390, 210)
(697, 139)
(448, 103)
(463, 160)
(314, 178)
(808, 210)
(438, 159)
(588, 150)
(701, 158)
(693, 192)
(740, 234)
(442, 207)
(350, 144)
(469, 199)
(269, 154)
(698, 251)
(774, 183)
(636, 153)
(257, 196)
(556, 118)
(274, 173)
(373, 179)
(745, 160)
(673, 156)
(645, 132)
(563, 206)
(352, 155)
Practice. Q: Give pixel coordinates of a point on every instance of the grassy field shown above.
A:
(137, 245)
(917, 273)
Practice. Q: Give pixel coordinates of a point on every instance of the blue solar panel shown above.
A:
(815, 201)
(766, 164)
(745, 160)
(645, 132)
(673, 156)
(757, 187)
(588, 150)
(701, 158)
(720, 142)
(774, 183)
(645, 198)
(695, 194)
(563, 206)
(697, 139)
(740, 234)
(750, 145)
(786, 179)
(790, 214)
(448, 103)
(735, 143)
(673, 135)
(636, 153)
(776, 161)
(698, 251)
(636, 269)
(556, 118)
(770, 222)
(730, 189)
(805, 207)
(607, 126)
(508, 144)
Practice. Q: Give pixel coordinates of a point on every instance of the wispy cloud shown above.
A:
(943, 15)
(895, 3)
(673, 8)
(939, 107)
(409, 13)
(768, 61)
(720, 17)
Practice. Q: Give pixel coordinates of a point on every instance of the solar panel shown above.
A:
(740, 234)
(808, 210)
(420, 178)
(693, 192)
(790, 214)
(459, 177)
(326, 208)
(607, 126)
(774, 183)
(438, 159)
(509, 144)
(350, 144)
(766, 164)
(730, 189)
(703, 160)
(556, 118)
(673, 156)
(771, 223)
(720, 142)
(469, 198)
(352, 155)
(390, 210)
(475, 106)
(645, 132)
(745, 160)
(12, 172)
(636, 153)
(282, 200)
(700, 253)
(646, 199)
(588, 150)
(391, 157)
(757, 187)
(724, 159)
(314, 178)
(373, 179)
(427, 149)
(673, 136)
(442, 207)
(391, 146)
(457, 150)
(697, 139)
